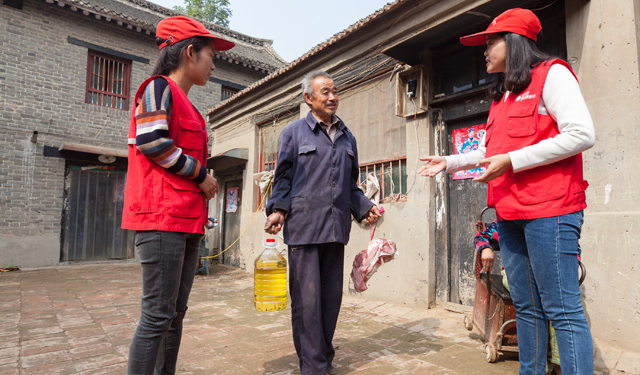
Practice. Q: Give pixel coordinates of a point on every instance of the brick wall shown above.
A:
(42, 81)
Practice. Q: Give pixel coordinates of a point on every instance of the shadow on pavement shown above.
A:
(398, 347)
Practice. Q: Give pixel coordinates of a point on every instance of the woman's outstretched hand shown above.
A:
(435, 165)
(497, 165)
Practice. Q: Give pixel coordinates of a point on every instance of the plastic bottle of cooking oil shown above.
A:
(270, 278)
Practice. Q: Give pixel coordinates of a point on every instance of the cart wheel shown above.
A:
(468, 323)
(490, 353)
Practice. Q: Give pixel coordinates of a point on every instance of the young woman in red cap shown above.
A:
(167, 188)
(538, 127)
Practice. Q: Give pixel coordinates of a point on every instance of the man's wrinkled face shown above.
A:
(324, 101)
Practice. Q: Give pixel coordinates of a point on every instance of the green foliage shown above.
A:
(216, 11)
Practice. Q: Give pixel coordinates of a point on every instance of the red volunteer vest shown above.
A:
(156, 199)
(545, 191)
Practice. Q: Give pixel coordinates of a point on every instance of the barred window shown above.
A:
(392, 177)
(269, 143)
(269, 162)
(227, 92)
(108, 81)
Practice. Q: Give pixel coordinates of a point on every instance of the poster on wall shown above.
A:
(118, 191)
(466, 140)
(232, 199)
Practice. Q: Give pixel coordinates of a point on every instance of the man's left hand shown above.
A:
(496, 166)
(372, 216)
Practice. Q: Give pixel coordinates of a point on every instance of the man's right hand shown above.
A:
(209, 186)
(274, 223)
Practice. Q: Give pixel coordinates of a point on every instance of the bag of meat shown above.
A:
(367, 262)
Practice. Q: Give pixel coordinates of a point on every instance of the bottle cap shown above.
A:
(270, 240)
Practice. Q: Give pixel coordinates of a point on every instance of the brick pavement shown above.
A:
(80, 319)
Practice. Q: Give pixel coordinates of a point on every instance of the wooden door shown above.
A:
(92, 216)
(231, 222)
(467, 198)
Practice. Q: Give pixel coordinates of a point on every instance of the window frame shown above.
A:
(377, 167)
(228, 89)
(262, 167)
(125, 80)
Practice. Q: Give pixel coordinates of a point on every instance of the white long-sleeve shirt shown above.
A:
(563, 101)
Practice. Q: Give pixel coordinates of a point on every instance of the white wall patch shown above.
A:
(607, 193)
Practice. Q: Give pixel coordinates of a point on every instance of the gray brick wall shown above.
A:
(42, 81)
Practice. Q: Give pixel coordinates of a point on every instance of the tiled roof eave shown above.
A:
(247, 63)
(148, 28)
(107, 15)
(314, 51)
(152, 7)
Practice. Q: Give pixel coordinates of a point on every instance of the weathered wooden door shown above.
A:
(466, 200)
(93, 215)
(461, 201)
(231, 222)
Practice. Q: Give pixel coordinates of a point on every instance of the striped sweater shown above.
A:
(153, 115)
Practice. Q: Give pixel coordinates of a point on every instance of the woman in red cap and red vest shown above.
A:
(538, 127)
(167, 188)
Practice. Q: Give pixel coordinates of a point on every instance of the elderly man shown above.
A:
(315, 192)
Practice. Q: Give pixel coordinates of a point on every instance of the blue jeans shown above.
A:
(540, 259)
(169, 262)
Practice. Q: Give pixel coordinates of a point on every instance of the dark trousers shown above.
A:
(315, 284)
(169, 262)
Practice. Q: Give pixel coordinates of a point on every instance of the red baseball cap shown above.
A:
(175, 29)
(518, 21)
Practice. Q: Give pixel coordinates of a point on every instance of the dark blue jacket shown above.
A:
(316, 182)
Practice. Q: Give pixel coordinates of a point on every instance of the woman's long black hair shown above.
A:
(169, 57)
(522, 56)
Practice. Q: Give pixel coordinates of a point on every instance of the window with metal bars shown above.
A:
(108, 81)
(227, 92)
(269, 162)
(268, 148)
(268, 156)
(392, 177)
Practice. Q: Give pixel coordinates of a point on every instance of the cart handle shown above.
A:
(480, 227)
(500, 335)
(482, 213)
(504, 325)
(583, 274)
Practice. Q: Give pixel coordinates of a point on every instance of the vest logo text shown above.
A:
(525, 96)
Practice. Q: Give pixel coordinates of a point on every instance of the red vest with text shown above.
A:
(156, 199)
(549, 190)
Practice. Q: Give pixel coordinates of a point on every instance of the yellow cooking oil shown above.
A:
(270, 279)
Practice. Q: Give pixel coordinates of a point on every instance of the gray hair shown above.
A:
(308, 80)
